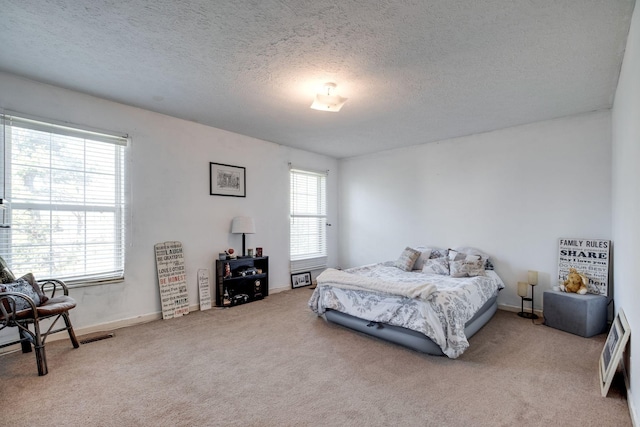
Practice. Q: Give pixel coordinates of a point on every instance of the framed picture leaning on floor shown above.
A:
(300, 279)
(612, 351)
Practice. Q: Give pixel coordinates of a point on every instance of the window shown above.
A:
(65, 191)
(308, 229)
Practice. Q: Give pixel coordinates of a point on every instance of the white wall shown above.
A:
(169, 185)
(511, 192)
(626, 197)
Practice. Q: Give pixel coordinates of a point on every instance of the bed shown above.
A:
(434, 308)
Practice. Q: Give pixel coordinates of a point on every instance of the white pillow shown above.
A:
(472, 251)
(425, 253)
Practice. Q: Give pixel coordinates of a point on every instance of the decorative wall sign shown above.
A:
(589, 257)
(227, 180)
(205, 289)
(612, 351)
(172, 279)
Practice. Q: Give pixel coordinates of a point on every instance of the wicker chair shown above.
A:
(57, 306)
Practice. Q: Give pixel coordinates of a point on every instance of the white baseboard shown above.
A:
(632, 411)
(102, 327)
(116, 324)
(627, 383)
(276, 290)
(515, 309)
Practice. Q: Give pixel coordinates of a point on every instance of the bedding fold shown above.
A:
(342, 279)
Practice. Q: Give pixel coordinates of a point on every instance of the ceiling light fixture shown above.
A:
(329, 102)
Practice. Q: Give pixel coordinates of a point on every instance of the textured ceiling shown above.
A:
(414, 71)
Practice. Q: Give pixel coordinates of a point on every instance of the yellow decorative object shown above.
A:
(576, 282)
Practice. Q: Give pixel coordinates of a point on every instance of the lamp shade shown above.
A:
(243, 225)
(522, 289)
(533, 277)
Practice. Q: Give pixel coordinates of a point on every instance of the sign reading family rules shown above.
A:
(172, 279)
(589, 257)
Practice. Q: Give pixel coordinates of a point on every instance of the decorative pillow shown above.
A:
(437, 266)
(488, 265)
(454, 255)
(472, 251)
(437, 253)
(425, 253)
(463, 265)
(34, 284)
(466, 268)
(22, 286)
(407, 258)
(6, 276)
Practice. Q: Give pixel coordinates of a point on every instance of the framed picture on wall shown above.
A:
(612, 351)
(227, 180)
(300, 279)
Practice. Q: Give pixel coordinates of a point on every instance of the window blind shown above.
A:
(308, 219)
(66, 201)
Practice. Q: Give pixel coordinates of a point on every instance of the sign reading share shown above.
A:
(589, 257)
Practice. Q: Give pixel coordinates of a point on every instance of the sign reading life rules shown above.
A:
(589, 257)
(172, 279)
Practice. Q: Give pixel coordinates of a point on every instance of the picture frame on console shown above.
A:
(299, 280)
(227, 180)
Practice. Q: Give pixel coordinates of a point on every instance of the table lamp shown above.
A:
(243, 225)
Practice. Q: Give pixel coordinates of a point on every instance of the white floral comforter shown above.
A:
(441, 317)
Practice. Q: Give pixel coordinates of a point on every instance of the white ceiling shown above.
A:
(414, 71)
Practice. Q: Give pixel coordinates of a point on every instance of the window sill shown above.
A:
(79, 284)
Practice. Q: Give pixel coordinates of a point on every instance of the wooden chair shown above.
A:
(56, 307)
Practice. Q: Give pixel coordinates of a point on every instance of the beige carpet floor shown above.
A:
(274, 363)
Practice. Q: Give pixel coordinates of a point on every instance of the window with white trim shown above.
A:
(308, 220)
(63, 191)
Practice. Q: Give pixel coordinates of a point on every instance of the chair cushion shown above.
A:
(53, 306)
(56, 305)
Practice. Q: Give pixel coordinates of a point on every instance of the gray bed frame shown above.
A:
(407, 337)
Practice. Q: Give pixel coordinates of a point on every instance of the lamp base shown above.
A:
(527, 315)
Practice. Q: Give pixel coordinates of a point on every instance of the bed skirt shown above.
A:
(407, 337)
